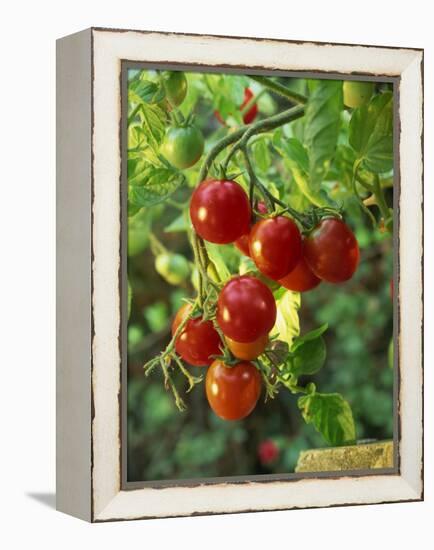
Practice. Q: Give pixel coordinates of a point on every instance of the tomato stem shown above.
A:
(269, 197)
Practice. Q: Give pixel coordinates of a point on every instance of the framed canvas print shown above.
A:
(239, 274)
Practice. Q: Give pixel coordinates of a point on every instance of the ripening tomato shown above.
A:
(183, 146)
(268, 451)
(232, 391)
(250, 115)
(331, 251)
(357, 93)
(246, 309)
(301, 278)
(247, 350)
(253, 111)
(275, 246)
(220, 211)
(198, 341)
(175, 86)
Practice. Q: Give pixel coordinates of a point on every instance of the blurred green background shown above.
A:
(164, 443)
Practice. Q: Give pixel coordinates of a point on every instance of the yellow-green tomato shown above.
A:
(175, 85)
(357, 93)
(183, 146)
(173, 268)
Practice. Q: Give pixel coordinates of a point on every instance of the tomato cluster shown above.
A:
(245, 312)
(220, 213)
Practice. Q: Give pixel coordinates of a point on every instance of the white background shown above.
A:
(27, 198)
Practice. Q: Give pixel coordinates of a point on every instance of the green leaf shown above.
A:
(287, 325)
(146, 91)
(321, 130)
(371, 133)
(309, 357)
(312, 335)
(153, 125)
(261, 155)
(331, 415)
(216, 258)
(296, 159)
(137, 170)
(153, 185)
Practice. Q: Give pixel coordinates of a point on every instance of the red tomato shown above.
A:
(198, 341)
(268, 451)
(246, 309)
(331, 251)
(275, 246)
(232, 392)
(253, 111)
(220, 211)
(301, 278)
(243, 242)
(249, 350)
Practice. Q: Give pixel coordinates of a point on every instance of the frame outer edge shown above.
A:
(113, 504)
(73, 275)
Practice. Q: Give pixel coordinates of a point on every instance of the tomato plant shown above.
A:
(246, 309)
(198, 341)
(219, 211)
(233, 392)
(331, 251)
(279, 188)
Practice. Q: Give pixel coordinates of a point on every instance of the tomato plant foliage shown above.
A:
(284, 154)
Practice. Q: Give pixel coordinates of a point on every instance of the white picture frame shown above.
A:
(89, 314)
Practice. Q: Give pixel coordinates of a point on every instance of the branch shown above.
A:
(279, 89)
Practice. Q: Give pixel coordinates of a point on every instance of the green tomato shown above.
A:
(175, 86)
(357, 93)
(183, 146)
(173, 268)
